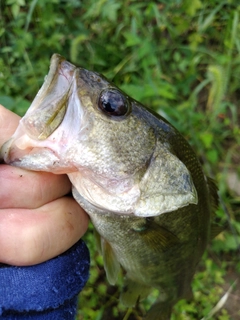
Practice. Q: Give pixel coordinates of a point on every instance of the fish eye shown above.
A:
(113, 103)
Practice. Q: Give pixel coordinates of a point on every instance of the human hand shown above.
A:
(38, 221)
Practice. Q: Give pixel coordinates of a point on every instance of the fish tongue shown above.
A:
(49, 107)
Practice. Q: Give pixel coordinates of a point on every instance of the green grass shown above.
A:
(181, 58)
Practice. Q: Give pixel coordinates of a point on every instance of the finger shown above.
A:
(8, 124)
(32, 236)
(27, 189)
(21, 188)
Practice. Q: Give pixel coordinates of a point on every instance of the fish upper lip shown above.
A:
(49, 106)
(57, 62)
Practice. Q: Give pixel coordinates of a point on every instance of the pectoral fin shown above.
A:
(111, 264)
(157, 237)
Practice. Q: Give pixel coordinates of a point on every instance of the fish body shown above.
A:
(134, 174)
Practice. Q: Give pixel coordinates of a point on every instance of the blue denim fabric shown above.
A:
(47, 291)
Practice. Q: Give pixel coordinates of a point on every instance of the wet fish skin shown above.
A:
(133, 173)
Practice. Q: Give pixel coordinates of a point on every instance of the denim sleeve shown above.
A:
(47, 291)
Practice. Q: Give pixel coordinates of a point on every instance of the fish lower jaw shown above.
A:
(38, 159)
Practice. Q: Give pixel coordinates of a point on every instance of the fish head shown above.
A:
(114, 151)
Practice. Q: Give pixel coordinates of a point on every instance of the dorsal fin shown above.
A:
(213, 191)
(216, 230)
(214, 200)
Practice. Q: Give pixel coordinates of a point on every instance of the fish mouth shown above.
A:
(49, 107)
(43, 132)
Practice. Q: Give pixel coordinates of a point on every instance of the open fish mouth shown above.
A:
(43, 131)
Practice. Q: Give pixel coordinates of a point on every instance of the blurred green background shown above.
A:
(181, 58)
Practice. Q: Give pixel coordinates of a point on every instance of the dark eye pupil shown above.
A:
(113, 103)
(109, 107)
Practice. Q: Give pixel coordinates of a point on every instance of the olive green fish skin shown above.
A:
(170, 270)
(134, 174)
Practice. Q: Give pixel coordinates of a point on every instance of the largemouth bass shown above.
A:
(134, 174)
